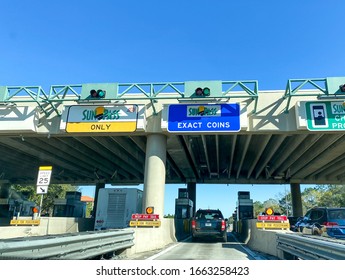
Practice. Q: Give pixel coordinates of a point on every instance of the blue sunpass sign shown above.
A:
(204, 117)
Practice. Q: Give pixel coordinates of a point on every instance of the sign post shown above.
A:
(43, 181)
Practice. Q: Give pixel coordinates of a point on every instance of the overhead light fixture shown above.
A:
(96, 173)
(114, 175)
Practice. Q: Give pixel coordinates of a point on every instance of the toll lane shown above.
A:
(204, 250)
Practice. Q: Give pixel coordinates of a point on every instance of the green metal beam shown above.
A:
(58, 94)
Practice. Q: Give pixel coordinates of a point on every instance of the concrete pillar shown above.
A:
(297, 209)
(5, 193)
(5, 190)
(154, 180)
(98, 187)
(191, 189)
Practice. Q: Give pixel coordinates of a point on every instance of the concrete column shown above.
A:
(191, 189)
(98, 187)
(297, 209)
(5, 193)
(154, 181)
(5, 190)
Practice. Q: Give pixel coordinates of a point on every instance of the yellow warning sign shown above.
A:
(25, 222)
(145, 223)
(273, 225)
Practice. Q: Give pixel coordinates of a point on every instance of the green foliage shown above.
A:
(169, 216)
(258, 208)
(89, 209)
(334, 196)
(320, 195)
(54, 191)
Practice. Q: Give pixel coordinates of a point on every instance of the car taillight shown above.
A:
(330, 224)
(223, 225)
(193, 224)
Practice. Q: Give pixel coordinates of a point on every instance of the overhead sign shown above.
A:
(204, 117)
(327, 116)
(102, 118)
(44, 174)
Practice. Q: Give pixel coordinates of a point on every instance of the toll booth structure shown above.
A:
(183, 214)
(71, 206)
(245, 206)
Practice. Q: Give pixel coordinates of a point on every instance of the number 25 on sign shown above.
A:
(44, 174)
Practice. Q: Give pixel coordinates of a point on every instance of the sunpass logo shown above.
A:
(204, 111)
(100, 113)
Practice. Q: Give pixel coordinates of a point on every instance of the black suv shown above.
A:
(324, 221)
(208, 223)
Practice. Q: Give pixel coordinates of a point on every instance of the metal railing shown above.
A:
(74, 246)
(310, 248)
(49, 102)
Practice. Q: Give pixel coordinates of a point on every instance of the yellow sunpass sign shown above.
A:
(273, 225)
(145, 223)
(25, 222)
(102, 118)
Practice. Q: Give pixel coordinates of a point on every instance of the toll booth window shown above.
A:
(246, 212)
(184, 213)
(181, 212)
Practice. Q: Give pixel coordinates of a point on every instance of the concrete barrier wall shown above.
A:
(145, 239)
(48, 226)
(260, 240)
(148, 239)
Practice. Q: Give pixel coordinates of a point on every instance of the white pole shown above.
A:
(39, 212)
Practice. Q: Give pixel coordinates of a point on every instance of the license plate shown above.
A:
(208, 224)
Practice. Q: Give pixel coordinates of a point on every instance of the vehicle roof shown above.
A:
(327, 208)
(208, 210)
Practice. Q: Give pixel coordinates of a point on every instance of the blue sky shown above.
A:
(72, 42)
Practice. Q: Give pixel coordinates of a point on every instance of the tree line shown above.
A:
(319, 195)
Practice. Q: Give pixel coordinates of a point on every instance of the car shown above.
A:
(292, 222)
(323, 221)
(209, 223)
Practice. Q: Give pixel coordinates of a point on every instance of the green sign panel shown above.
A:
(325, 116)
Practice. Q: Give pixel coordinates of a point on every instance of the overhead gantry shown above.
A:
(214, 132)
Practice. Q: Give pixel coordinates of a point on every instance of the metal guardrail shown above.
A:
(74, 246)
(309, 248)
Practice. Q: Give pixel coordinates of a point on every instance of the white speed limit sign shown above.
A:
(44, 174)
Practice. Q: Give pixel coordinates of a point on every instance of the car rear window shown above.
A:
(337, 214)
(209, 215)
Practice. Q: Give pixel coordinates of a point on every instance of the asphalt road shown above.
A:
(204, 250)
